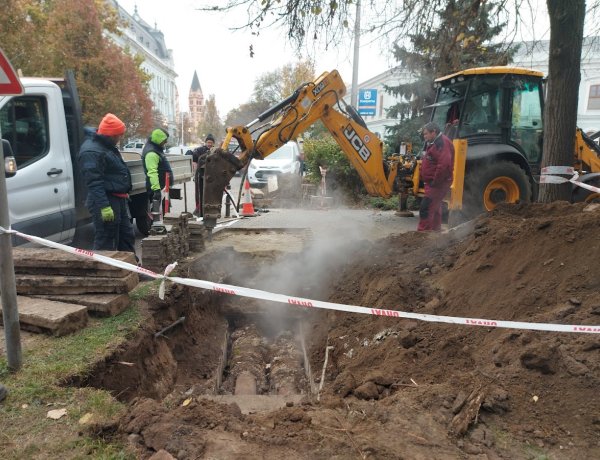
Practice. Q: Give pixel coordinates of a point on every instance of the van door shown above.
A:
(41, 190)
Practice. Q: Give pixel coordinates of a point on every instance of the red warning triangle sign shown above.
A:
(9, 82)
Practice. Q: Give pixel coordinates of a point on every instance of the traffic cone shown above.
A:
(247, 206)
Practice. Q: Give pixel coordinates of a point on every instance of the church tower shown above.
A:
(196, 102)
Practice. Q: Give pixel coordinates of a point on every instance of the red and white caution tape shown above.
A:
(548, 176)
(85, 253)
(308, 303)
(567, 170)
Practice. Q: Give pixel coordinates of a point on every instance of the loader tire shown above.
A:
(498, 182)
(582, 195)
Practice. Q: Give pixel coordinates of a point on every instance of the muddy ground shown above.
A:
(393, 388)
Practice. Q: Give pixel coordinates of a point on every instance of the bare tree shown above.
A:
(564, 75)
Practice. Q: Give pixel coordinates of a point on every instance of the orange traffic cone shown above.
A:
(247, 206)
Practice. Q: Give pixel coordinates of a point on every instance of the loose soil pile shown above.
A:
(398, 388)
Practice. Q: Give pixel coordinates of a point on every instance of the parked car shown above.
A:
(286, 159)
(136, 146)
(179, 149)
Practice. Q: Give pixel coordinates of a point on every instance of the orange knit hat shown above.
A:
(111, 126)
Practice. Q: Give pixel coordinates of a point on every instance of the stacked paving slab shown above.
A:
(56, 291)
(182, 236)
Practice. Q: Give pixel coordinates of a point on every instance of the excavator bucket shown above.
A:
(220, 167)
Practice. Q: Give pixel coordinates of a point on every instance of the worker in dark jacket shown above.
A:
(437, 167)
(156, 165)
(109, 183)
(199, 159)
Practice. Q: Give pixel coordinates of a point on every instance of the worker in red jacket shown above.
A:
(437, 167)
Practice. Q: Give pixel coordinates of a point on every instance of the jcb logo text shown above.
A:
(357, 143)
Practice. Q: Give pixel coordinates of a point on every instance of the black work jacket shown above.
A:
(103, 170)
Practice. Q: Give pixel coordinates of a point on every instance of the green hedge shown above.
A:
(341, 175)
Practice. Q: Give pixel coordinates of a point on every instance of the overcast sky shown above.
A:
(202, 42)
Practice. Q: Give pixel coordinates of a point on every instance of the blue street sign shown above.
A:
(367, 101)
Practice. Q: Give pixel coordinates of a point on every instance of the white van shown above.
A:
(284, 160)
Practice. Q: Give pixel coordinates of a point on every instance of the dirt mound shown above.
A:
(536, 390)
(399, 388)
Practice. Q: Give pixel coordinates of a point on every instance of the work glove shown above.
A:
(424, 208)
(107, 214)
(156, 195)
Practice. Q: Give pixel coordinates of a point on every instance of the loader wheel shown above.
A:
(592, 198)
(586, 196)
(499, 182)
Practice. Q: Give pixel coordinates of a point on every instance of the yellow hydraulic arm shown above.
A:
(322, 100)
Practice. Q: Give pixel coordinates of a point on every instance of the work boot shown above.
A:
(3, 392)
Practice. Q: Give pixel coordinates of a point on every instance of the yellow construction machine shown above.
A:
(493, 115)
(319, 100)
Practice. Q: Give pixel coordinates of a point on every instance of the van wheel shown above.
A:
(143, 224)
(499, 182)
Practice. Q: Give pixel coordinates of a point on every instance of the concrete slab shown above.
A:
(252, 404)
(356, 224)
(43, 261)
(43, 284)
(97, 304)
(50, 317)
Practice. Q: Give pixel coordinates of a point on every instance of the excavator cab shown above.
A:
(494, 116)
(486, 106)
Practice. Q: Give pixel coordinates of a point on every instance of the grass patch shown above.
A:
(25, 431)
(144, 290)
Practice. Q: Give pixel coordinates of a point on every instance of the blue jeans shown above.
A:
(117, 235)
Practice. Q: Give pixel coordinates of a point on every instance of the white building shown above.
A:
(532, 55)
(144, 40)
(374, 100)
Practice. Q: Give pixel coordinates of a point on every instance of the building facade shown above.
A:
(534, 55)
(374, 101)
(144, 40)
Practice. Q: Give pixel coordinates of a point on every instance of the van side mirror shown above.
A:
(10, 163)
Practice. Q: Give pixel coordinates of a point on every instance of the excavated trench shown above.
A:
(216, 346)
(393, 387)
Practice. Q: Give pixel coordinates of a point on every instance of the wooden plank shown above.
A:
(41, 284)
(97, 304)
(56, 318)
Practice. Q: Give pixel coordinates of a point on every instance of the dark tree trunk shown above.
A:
(564, 74)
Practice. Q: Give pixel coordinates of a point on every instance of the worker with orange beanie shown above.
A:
(108, 182)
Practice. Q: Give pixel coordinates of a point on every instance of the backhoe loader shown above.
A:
(493, 115)
(319, 100)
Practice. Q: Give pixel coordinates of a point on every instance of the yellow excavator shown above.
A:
(493, 115)
(319, 100)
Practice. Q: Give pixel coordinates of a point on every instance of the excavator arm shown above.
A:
(322, 100)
